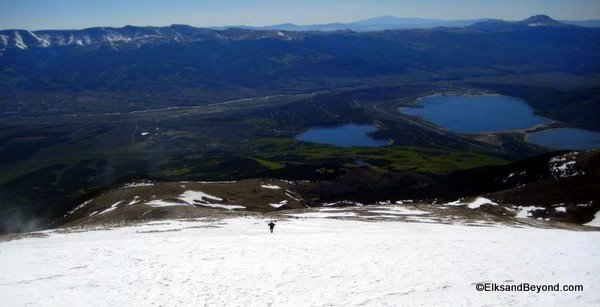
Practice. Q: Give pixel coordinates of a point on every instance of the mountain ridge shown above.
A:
(137, 36)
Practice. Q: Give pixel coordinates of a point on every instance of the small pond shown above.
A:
(350, 135)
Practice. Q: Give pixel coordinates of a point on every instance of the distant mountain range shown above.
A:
(132, 36)
(181, 65)
(128, 36)
(393, 23)
(372, 24)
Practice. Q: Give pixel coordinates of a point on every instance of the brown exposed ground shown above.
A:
(256, 195)
(168, 200)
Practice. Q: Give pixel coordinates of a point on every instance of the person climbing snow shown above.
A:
(271, 226)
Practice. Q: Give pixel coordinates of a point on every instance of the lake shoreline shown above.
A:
(467, 117)
(476, 113)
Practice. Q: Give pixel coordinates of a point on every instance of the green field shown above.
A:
(393, 159)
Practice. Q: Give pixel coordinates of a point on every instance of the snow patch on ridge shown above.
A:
(113, 207)
(478, 202)
(525, 212)
(197, 197)
(4, 40)
(87, 202)
(595, 222)
(564, 166)
(279, 204)
(206, 200)
(135, 200)
(161, 203)
(135, 184)
(288, 193)
(43, 41)
(19, 41)
(270, 186)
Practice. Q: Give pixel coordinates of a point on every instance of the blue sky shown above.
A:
(75, 14)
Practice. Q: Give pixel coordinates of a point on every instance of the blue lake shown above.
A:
(566, 138)
(349, 135)
(476, 114)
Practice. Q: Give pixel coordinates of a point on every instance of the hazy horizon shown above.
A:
(73, 14)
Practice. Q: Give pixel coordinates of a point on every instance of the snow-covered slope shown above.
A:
(307, 262)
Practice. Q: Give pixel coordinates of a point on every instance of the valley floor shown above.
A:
(306, 262)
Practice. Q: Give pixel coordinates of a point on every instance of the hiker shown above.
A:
(271, 226)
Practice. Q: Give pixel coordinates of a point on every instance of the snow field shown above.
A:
(307, 262)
